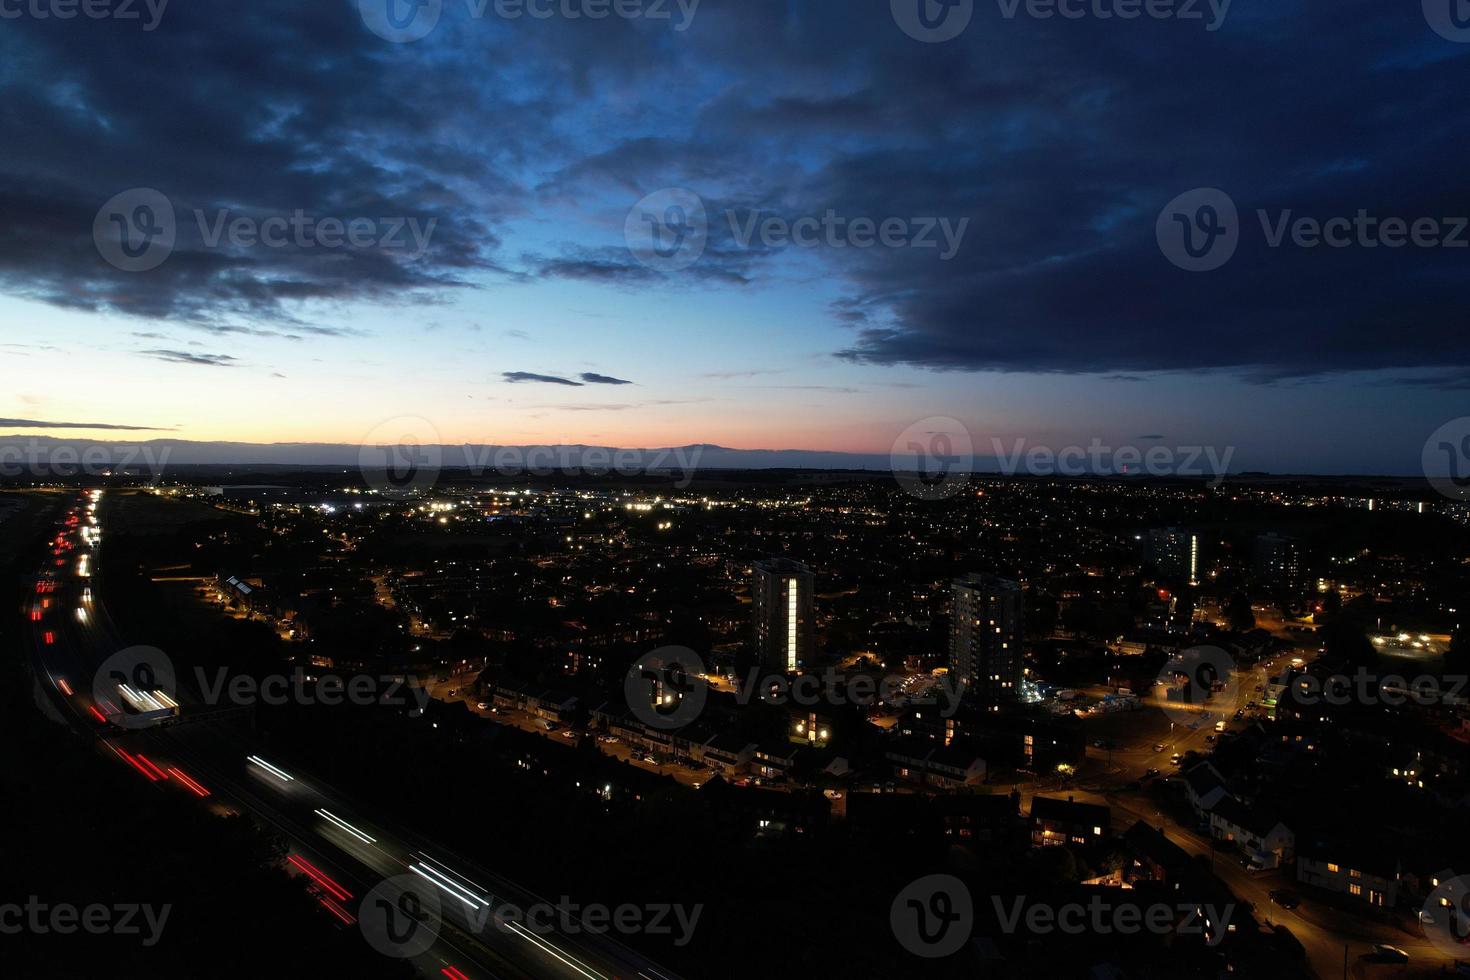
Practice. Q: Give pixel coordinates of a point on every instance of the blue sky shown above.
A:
(524, 144)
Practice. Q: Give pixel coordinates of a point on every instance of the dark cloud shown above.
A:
(1059, 141)
(186, 357)
(36, 424)
(516, 377)
(602, 379)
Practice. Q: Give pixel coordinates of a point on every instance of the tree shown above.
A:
(1239, 613)
(1457, 660)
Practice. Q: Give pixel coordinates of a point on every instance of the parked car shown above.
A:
(1385, 953)
(1285, 898)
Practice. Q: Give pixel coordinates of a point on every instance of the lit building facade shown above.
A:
(985, 639)
(782, 619)
(1175, 551)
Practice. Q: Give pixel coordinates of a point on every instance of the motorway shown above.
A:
(343, 856)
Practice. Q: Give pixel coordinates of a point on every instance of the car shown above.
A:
(483, 705)
(1285, 898)
(651, 760)
(1389, 954)
(1159, 747)
(1150, 771)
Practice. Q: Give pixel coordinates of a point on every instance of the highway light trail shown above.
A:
(542, 944)
(442, 882)
(444, 867)
(320, 877)
(192, 786)
(346, 917)
(142, 701)
(453, 974)
(65, 687)
(282, 776)
(343, 824)
(97, 714)
(159, 773)
(136, 765)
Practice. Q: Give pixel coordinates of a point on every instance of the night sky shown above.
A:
(519, 147)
